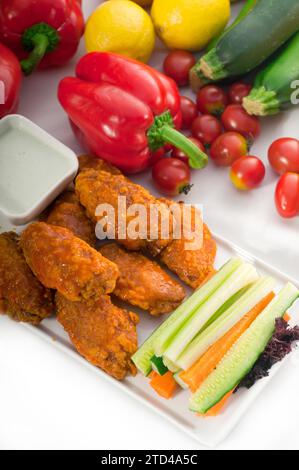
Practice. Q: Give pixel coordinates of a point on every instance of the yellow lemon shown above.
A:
(189, 24)
(123, 27)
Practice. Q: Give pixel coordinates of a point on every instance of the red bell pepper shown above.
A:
(10, 81)
(123, 111)
(152, 87)
(42, 33)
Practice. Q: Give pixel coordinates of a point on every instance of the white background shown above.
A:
(48, 401)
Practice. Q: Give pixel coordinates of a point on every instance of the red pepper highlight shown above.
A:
(42, 33)
(123, 111)
(10, 81)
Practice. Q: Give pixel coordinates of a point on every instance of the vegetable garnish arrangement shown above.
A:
(225, 336)
(203, 334)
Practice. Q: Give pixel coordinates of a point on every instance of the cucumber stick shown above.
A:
(223, 324)
(272, 90)
(159, 339)
(158, 365)
(244, 354)
(243, 276)
(251, 41)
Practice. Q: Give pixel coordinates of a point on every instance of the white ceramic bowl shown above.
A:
(34, 169)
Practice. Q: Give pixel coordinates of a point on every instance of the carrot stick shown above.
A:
(164, 385)
(198, 372)
(287, 317)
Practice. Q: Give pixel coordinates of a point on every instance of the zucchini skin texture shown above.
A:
(272, 90)
(267, 27)
(247, 8)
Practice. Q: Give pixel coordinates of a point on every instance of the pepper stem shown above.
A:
(41, 43)
(38, 40)
(162, 132)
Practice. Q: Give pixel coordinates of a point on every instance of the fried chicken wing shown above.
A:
(99, 187)
(67, 212)
(101, 332)
(193, 266)
(64, 262)
(88, 161)
(143, 282)
(22, 296)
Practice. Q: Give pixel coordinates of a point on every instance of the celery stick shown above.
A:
(226, 306)
(244, 354)
(243, 276)
(223, 324)
(185, 311)
(159, 339)
(170, 365)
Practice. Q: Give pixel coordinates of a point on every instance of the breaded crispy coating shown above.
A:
(22, 297)
(101, 332)
(89, 161)
(64, 262)
(67, 212)
(192, 266)
(142, 282)
(99, 187)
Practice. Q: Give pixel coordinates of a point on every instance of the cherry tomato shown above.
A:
(157, 155)
(237, 91)
(177, 65)
(283, 155)
(179, 154)
(211, 99)
(206, 128)
(227, 148)
(247, 172)
(189, 111)
(236, 119)
(287, 195)
(171, 176)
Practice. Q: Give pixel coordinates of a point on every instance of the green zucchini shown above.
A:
(243, 355)
(247, 8)
(250, 42)
(272, 90)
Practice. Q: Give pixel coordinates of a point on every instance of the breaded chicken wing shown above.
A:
(101, 332)
(67, 212)
(89, 161)
(64, 262)
(99, 187)
(143, 282)
(192, 266)
(22, 297)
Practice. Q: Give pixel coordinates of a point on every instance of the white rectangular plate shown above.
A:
(207, 431)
